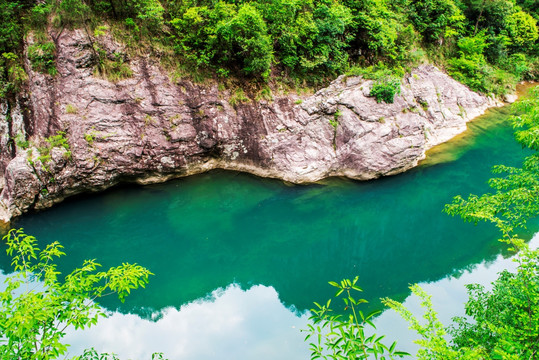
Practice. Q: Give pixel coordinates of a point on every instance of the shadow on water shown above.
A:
(205, 232)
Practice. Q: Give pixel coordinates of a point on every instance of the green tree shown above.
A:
(488, 14)
(470, 67)
(315, 41)
(196, 32)
(244, 40)
(38, 306)
(380, 31)
(225, 37)
(530, 6)
(149, 14)
(506, 318)
(72, 13)
(502, 323)
(10, 43)
(522, 28)
(436, 19)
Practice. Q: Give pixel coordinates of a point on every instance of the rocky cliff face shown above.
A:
(148, 128)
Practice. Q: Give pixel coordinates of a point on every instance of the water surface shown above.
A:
(243, 235)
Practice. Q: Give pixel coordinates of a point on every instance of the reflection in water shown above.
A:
(229, 324)
(254, 324)
(205, 232)
(448, 298)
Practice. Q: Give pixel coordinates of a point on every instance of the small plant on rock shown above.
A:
(385, 90)
(41, 57)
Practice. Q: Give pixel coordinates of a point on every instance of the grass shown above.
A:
(112, 70)
(70, 109)
(238, 97)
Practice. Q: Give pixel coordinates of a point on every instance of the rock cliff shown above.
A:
(76, 133)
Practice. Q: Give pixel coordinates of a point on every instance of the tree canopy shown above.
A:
(298, 40)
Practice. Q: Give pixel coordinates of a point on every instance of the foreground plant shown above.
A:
(502, 323)
(36, 306)
(344, 336)
(92, 354)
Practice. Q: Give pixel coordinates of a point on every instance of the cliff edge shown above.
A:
(75, 132)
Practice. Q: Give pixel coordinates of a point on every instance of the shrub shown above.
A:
(313, 37)
(385, 90)
(33, 319)
(112, 70)
(244, 40)
(522, 28)
(16, 76)
(225, 37)
(471, 67)
(41, 56)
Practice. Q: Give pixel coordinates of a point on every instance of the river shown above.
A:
(238, 260)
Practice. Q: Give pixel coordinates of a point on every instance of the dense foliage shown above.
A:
(487, 44)
(37, 305)
(500, 323)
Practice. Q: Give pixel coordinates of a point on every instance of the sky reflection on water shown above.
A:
(231, 323)
(254, 324)
(281, 245)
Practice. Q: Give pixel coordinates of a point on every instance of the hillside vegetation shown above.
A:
(489, 45)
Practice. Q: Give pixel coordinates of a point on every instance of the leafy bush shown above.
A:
(471, 67)
(149, 13)
(314, 41)
(42, 57)
(522, 28)
(436, 19)
(244, 40)
(343, 335)
(14, 76)
(34, 316)
(71, 13)
(385, 90)
(224, 37)
(506, 318)
(38, 15)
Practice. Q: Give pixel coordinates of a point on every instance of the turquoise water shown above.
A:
(206, 232)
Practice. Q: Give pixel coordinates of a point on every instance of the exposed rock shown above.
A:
(510, 98)
(149, 129)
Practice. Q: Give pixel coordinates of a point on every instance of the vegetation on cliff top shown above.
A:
(487, 44)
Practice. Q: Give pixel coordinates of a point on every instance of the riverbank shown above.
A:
(284, 243)
(76, 133)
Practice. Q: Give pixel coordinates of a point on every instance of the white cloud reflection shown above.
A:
(253, 324)
(448, 298)
(230, 324)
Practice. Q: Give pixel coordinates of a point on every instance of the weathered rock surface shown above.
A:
(148, 129)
